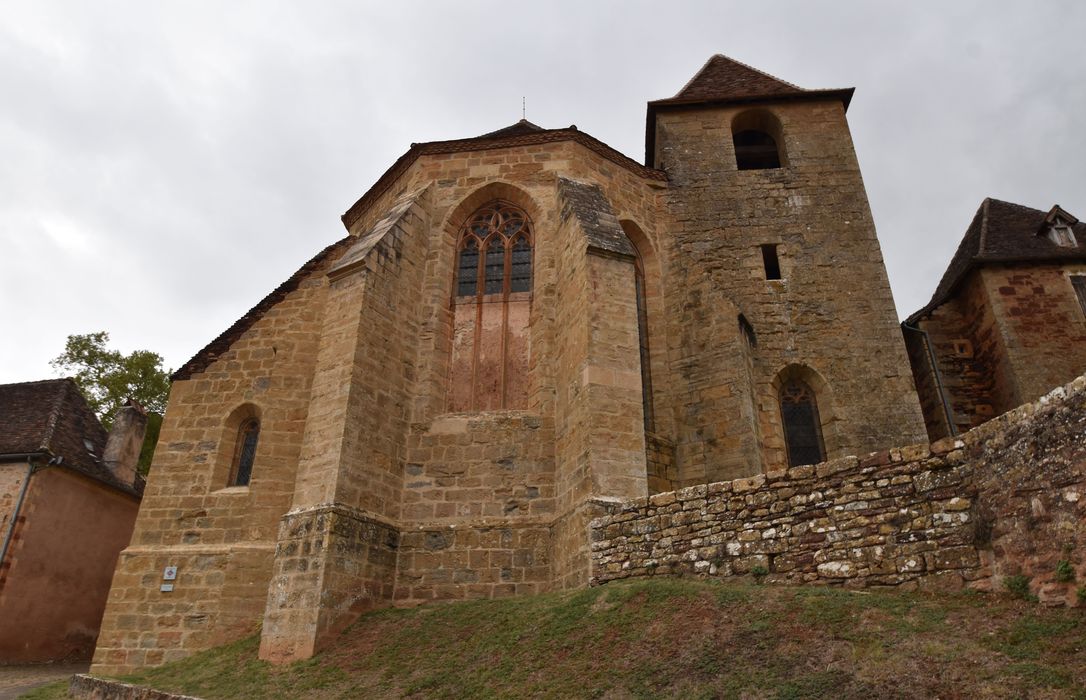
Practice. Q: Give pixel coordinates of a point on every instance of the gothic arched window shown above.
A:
(802, 427)
(241, 468)
(491, 307)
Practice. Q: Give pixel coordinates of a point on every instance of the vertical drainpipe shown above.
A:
(18, 505)
(948, 413)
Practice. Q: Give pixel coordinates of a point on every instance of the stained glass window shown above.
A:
(495, 266)
(467, 275)
(490, 347)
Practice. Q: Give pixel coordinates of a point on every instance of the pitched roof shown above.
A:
(51, 417)
(210, 352)
(1002, 232)
(724, 80)
(522, 133)
(518, 129)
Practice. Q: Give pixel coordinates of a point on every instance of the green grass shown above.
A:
(679, 638)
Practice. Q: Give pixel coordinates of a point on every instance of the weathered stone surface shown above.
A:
(914, 516)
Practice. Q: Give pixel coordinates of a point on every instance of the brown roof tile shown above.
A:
(51, 418)
(724, 80)
(1002, 232)
(210, 352)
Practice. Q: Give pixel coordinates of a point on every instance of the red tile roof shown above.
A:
(51, 418)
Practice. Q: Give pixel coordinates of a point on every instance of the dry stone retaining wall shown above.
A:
(1008, 498)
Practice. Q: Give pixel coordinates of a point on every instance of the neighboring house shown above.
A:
(518, 325)
(69, 494)
(1007, 322)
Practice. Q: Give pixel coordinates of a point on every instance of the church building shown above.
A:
(518, 328)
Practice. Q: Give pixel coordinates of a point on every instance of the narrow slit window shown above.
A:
(245, 452)
(771, 262)
(748, 331)
(643, 346)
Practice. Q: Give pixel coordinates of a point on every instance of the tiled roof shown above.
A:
(1002, 232)
(724, 80)
(210, 352)
(51, 417)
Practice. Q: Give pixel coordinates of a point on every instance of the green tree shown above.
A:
(108, 378)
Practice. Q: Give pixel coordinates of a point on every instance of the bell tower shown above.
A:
(771, 213)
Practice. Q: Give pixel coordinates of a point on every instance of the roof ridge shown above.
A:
(983, 226)
(716, 56)
(54, 414)
(37, 381)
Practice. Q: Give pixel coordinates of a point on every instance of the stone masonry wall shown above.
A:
(831, 312)
(459, 561)
(221, 538)
(972, 361)
(891, 517)
(1008, 498)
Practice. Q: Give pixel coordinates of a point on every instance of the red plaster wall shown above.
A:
(70, 532)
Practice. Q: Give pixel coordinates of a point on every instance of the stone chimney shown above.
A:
(125, 441)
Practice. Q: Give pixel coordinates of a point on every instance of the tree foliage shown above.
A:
(108, 378)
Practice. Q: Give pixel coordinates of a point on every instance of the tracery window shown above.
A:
(241, 468)
(802, 426)
(491, 309)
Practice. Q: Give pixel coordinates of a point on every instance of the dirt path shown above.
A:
(16, 680)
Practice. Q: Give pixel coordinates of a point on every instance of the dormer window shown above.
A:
(1057, 227)
(1061, 234)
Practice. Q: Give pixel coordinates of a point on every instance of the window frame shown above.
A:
(497, 222)
(244, 458)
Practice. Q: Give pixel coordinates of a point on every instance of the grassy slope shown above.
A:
(674, 638)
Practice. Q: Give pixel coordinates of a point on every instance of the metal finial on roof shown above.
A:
(523, 108)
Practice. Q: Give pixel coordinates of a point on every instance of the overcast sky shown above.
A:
(164, 165)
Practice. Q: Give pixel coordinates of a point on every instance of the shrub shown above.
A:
(1018, 586)
(1064, 571)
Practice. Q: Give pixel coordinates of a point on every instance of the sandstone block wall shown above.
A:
(1008, 498)
(220, 537)
(832, 312)
(465, 561)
